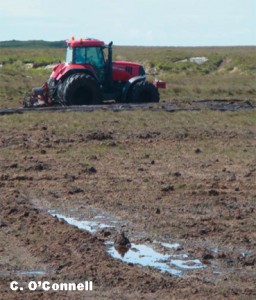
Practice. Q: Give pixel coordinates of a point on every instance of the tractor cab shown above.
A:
(88, 53)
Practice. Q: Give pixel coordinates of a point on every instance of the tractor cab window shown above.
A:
(80, 56)
(89, 55)
(93, 56)
(69, 57)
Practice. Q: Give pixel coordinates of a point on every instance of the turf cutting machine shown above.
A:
(89, 76)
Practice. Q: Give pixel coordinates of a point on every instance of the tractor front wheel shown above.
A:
(143, 91)
(80, 89)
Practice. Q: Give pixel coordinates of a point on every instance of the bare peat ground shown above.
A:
(186, 177)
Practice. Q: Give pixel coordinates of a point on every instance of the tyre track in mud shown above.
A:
(216, 105)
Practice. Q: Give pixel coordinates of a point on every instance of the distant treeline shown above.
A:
(32, 44)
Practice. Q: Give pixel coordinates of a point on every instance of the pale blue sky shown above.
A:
(132, 22)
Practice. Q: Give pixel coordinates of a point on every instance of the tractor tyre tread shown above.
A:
(142, 92)
(80, 89)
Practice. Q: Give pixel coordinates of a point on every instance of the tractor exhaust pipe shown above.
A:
(109, 67)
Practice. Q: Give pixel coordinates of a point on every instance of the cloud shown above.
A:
(20, 8)
(140, 22)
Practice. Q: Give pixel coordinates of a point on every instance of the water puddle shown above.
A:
(90, 226)
(167, 258)
(26, 273)
(148, 257)
(33, 272)
(174, 246)
(145, 256)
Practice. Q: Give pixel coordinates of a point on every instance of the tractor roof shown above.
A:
(84, 43)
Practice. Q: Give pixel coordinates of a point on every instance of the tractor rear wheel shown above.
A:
(80, 89)
(144, 91)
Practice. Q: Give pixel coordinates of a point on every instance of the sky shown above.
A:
(132, 22)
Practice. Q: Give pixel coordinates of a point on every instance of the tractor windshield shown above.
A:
(86, 55)
(89, 55)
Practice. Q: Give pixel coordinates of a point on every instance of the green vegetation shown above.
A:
(32, 44)
(38, 57)
(229, 72)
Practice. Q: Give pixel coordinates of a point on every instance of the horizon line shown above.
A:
(134, 45)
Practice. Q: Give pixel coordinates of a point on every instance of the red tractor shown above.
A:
(89, 76)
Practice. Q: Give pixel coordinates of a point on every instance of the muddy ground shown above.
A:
(182, 177)
(174, 106)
